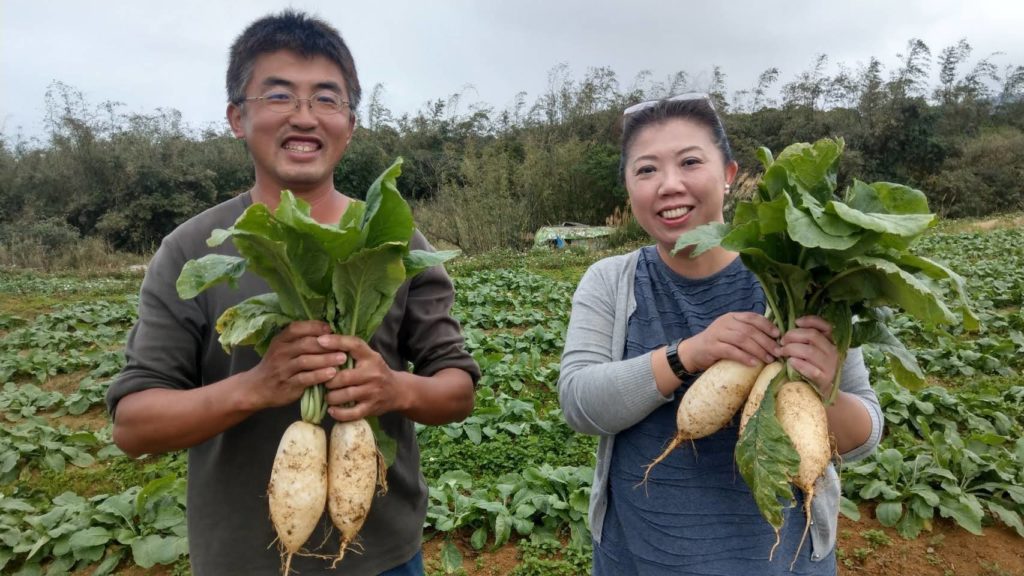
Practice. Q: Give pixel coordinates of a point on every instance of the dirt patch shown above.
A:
(64, 383)
(498, 562)
(869, 549)
(93, 420)
(864, 548)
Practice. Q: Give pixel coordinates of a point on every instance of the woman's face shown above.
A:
(676, 178)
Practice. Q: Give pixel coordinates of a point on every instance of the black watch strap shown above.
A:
(672, 355)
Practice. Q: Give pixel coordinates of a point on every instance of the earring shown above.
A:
(727, 188)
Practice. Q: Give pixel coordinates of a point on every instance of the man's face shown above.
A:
(298, 149)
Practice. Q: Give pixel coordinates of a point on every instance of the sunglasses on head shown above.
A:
(679, 97)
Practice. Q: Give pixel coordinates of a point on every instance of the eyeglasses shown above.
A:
(677, 98)
(284, 102)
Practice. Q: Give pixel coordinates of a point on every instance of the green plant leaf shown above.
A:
(387, 218)
(352, 219)
(702, 238)
(910, 526)
(880, 282)
(771, 216)
(904, 225)
(886, 198)
(888, 513)
(745, 212)
(451, 558)
(479, 538)
(338, 242)
(502, 528)
(271, 261)
(965, 510)
(874, 333)
(153, 490)
(120, 505)
(1007, 516)
(198, 275)
(364, 288)
(110, 562)
(417, 261)
(767, 459)
(386, 444)
(154, 549)
(813, 167)
(849, 508)
(939, 272)
(828, 221)
(802, 228)
(252, 322)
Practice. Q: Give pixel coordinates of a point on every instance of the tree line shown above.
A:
(482, 178)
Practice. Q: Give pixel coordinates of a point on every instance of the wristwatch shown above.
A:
(672, 355)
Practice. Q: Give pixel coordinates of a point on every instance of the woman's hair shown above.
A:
(699, 110)
(295, 31)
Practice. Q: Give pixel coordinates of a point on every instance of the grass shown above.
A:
(86, 257)
(105, 477)
(26, 293)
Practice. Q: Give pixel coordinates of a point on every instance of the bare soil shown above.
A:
(865, 548)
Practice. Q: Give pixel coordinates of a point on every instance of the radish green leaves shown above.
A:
(346, 274)
(846, 259)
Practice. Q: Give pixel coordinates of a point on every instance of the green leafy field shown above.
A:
(513, 471)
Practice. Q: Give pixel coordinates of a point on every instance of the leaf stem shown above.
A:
(813, 301)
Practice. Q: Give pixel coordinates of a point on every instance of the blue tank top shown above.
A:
(695, 516)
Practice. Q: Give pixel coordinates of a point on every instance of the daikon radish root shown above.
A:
(298, 486)
(711, 401)
(802, 416)
(353, 469)
(757, 392)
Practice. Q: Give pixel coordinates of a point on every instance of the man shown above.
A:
(292, 90)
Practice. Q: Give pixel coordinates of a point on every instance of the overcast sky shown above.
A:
(149, 55)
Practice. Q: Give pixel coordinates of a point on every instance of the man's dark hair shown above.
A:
(290, 30)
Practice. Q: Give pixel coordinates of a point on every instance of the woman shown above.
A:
(632, 313)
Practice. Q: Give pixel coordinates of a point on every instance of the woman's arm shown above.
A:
(599, 393)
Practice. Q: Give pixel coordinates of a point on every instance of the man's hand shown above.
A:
(294, 361)
(369, 389)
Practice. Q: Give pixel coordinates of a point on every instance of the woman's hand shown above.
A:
(741, 336)
(811, 352)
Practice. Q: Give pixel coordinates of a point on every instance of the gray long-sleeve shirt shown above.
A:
(602, 394)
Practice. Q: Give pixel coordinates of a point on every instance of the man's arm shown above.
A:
(445, 397)
(157, 420)
(161, 420)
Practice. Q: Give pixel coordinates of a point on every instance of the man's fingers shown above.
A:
(349, 413)
(302, 328)
(352, 344)
(312, 377)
